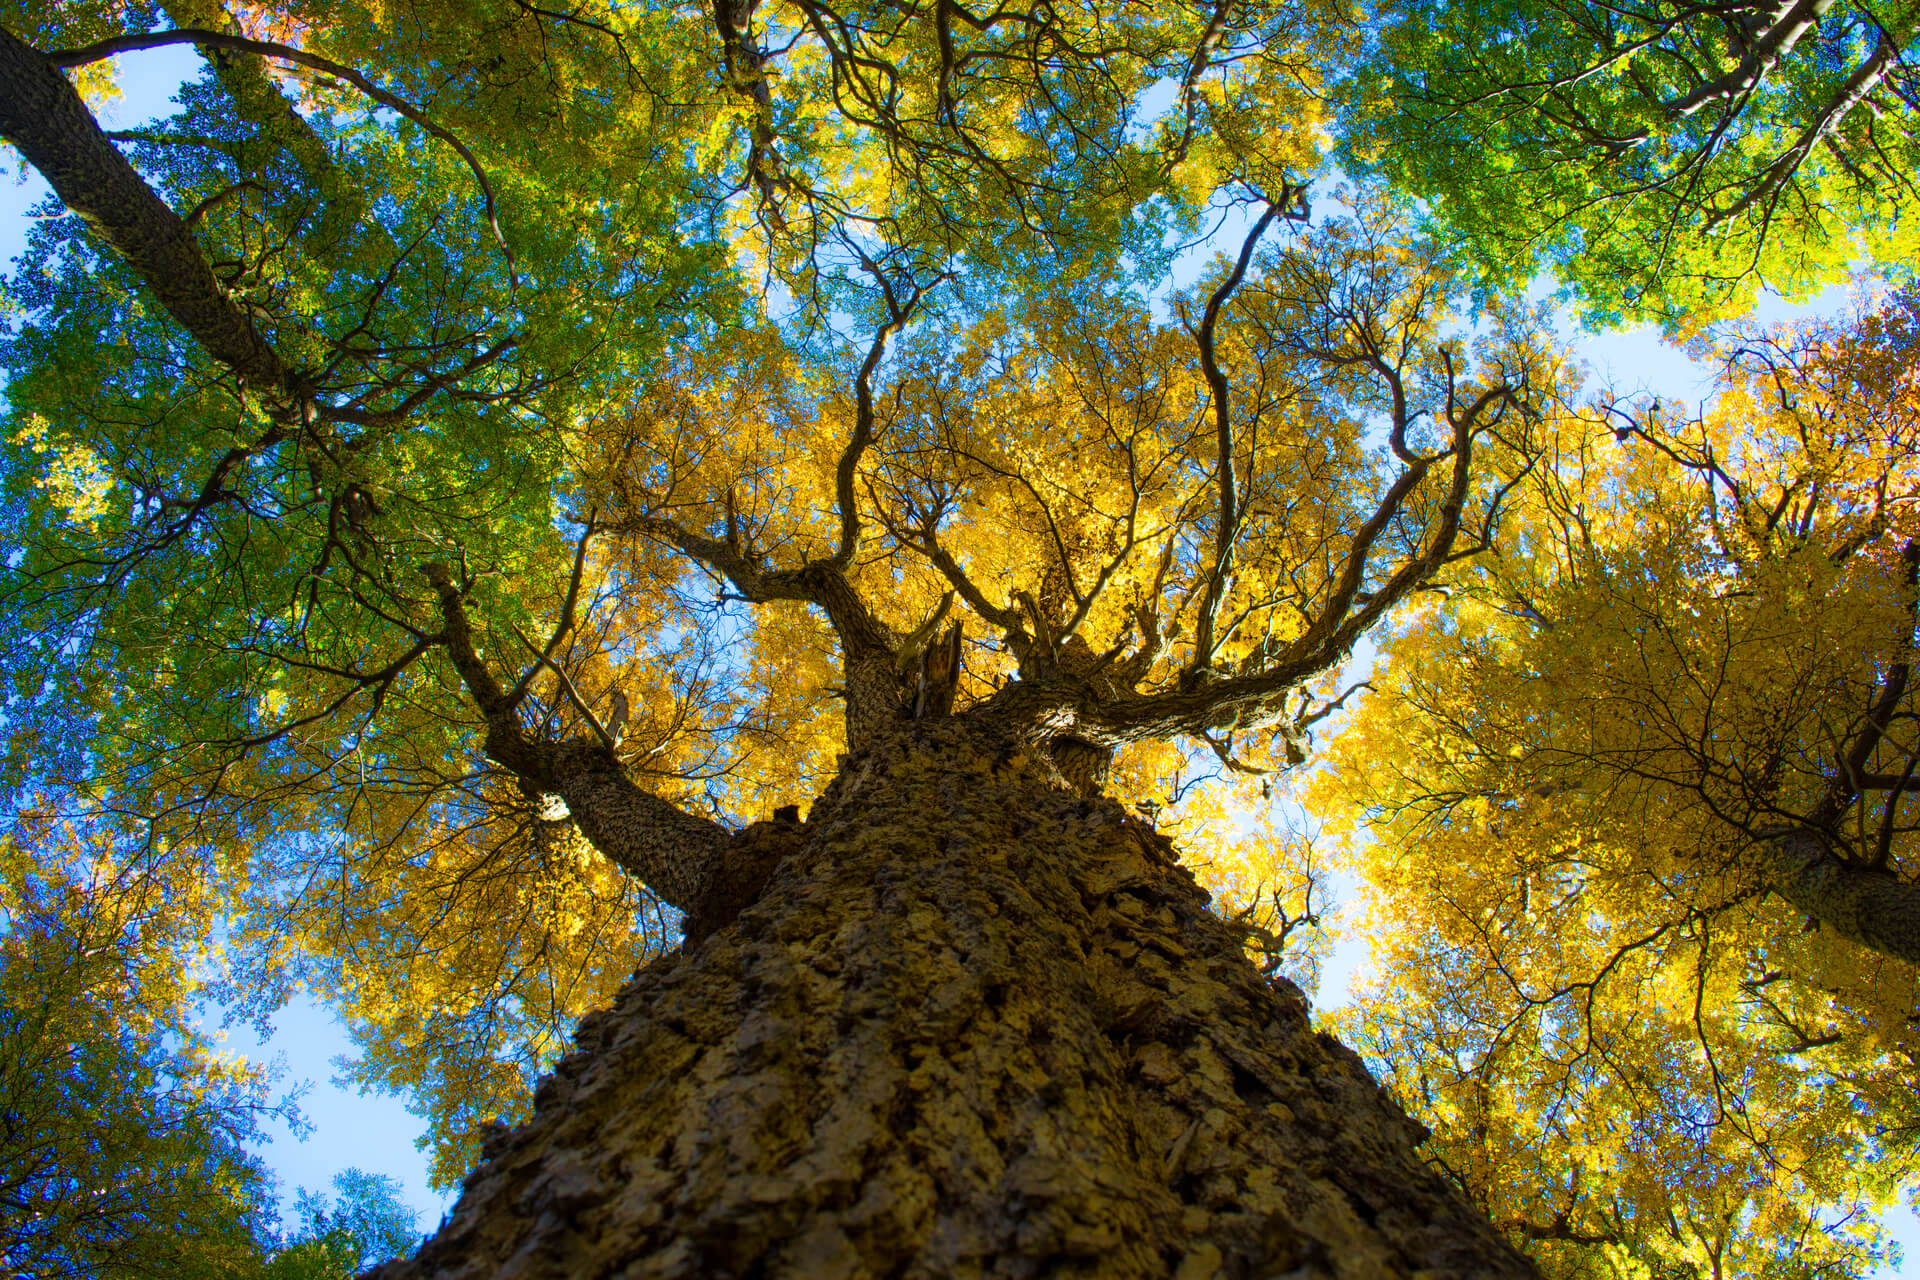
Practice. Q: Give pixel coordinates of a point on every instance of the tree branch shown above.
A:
(863, 431)
(1228, 528)
(1847, 782)
(565, 625)
(1865, 905)
(42, 115)
(672, 851)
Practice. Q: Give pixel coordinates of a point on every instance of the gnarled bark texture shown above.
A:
(976, 1024)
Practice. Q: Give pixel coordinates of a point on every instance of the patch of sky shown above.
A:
(1151, 108)
(345, 1126)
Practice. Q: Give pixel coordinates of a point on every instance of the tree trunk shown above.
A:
(42, 115)
(975, 1025)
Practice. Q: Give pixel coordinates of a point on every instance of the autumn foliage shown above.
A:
(475, 471)
(1635, 1036)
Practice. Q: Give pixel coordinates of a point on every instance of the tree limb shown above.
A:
(41, 114)
(1228, 528)
(863, 430)
(672, 851)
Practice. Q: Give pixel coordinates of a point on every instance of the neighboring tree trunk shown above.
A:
(976, 1024)
(42, 115)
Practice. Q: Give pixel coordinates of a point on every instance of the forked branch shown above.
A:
(899, 312)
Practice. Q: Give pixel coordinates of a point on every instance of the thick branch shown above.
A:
(877, 690)
(1008, 620)
(747, 73)
(259, 99)
(1791, 21)
(1866, 905)
(42, 115)
(730, 558)
(820, 582)
(1197, 66)
(673, 852)
(207, 39)
(1858, 88)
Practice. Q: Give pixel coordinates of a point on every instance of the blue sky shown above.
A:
(376, 1133)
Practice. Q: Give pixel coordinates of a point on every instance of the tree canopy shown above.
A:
(1643, 832)
(475, 472)
(121, 1129)
(1663, 160)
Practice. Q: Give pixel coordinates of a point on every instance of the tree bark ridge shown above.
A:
(975, 1025)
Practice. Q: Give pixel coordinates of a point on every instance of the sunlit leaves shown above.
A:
(365, 1225)
(121, 1126)
(1629, 1048)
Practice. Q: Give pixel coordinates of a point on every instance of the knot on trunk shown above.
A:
(736, 877)
(1082, 765)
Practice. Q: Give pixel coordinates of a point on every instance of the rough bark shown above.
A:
(669, 849)
(974, 1025)
(1872, 907)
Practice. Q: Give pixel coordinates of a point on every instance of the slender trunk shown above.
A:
(975, 1024)
(1872, 907)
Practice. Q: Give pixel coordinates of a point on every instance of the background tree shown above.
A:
(1663, 160)
(294, 555)
(365, 1224)
(1645, 841)
(122, 1131)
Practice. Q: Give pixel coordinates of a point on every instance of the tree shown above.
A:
(454, 431)
(124, 1132)
(1646, 838)
(121, 1131)
(1664, 160)
(366, 1225)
